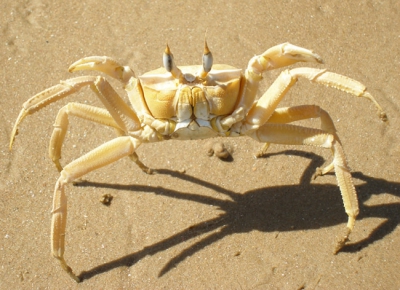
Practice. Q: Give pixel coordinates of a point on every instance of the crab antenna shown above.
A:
(207, 60)
(169, 64)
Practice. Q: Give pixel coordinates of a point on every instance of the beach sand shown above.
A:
(202, 223)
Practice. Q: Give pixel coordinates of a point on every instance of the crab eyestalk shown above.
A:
(207, 61)
(169, 64)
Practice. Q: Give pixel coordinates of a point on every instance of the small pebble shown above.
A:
(106, 199)
(218, 149)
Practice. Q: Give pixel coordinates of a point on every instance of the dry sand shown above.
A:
(244, 224)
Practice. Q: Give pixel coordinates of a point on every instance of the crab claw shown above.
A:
(282, 55)
(104, 64)
(296, 53)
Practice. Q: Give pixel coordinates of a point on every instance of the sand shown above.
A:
(202, 223)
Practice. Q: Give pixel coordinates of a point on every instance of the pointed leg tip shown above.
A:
(68, 269)
(12, 139)
(343, 240)
(22, 114)
(76, 278)
(340, 244)
(318, 172)
(383, 116)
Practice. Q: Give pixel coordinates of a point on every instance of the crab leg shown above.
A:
(119, 110)
(296, 135)
(90, 113)
(99, 157)
(124, 74)
(292, 114)
(337, 81)
(106, 65)
(278, 56)
(266, 105)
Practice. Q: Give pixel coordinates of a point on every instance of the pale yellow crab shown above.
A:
(193, 102)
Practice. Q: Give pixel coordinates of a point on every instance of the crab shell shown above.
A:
(191, 100)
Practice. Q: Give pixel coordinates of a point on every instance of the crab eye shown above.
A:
(168, 59)
(207, 58)
(169, 64)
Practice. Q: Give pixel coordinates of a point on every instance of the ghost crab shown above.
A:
(193, 102)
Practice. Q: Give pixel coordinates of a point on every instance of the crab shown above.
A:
(193, 102)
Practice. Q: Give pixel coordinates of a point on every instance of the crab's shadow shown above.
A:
(311, 206)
